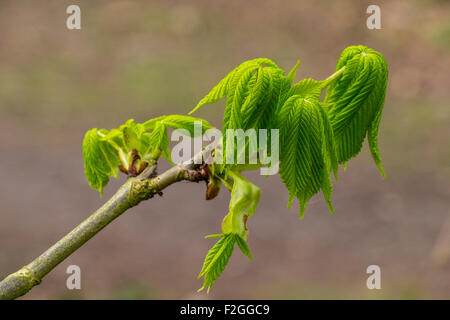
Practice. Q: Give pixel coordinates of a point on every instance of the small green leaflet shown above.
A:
(252, 90)
(307, 156)
(356, 100)
(243, 246)
(176, 121)
(228, 84)
(291, 76)
(218, 256)
(159, 139)
(100, 160)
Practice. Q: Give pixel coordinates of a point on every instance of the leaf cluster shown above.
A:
(316, 136)
(131, 147)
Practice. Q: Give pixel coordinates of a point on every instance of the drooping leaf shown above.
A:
(355, 102)
(306, 155)
(244, 201)
(242, 244)
(216, 260)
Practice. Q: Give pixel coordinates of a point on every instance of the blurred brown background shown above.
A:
(135, 59)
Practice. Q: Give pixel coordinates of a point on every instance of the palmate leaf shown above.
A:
(253, 92)
(355, 102)
(244, 200)
(307, 153)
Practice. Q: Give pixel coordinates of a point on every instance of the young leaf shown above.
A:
(159, 139)
(306, 155)
(176, 121)
(259, 107)
(291, 76)
(228, 84)
(100, 160)
(244, 201)
(216, 260)
(131, 135)
(307, 88)
(243, 246)
(220, 235)
(252, 91)
(355, 102)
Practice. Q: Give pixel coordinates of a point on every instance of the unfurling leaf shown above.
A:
(131, 146)
(244, 201)
(252, 91)
(100, 160)
(355, 102)
(307, 154)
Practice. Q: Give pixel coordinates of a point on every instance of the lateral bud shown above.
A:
(212, 188)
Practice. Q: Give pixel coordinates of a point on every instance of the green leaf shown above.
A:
(220, 235)
(253, 92)
(293, 72)
(228, 84)
(307, 88)
(260, 105)
(248, 84)
(355, 102)
(113, 137)
(159, 139)
(176, 121)
(216, 260)
(306, 155)
(244, 201)
(216, 93)
(243, 246)
(131, 135)
(101, 161)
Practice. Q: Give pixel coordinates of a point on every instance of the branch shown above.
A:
(130, 194)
